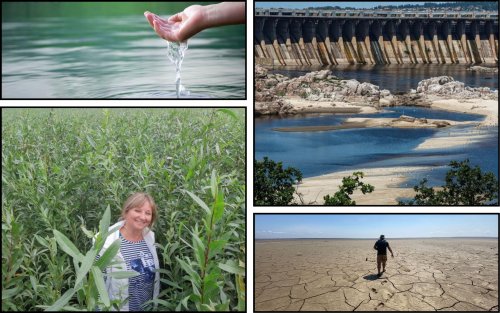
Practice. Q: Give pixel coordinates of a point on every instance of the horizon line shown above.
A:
(372, 238)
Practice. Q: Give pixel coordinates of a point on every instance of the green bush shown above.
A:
(349, 185)
(464, 185)
(274, 185)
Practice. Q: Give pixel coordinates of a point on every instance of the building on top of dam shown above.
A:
(329, 37)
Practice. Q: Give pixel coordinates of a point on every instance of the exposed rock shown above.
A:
(367, 89)
(260, 72)
(280, 106)
(351, 86)
(446, 86)
(385, 93)
(440, 124)
(386, 98)
(483, 69)
(404, 118)
(320, 86)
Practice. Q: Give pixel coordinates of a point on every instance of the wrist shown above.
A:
(224, 13)
(208, 13)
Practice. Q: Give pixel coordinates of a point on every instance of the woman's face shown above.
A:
(139, 217)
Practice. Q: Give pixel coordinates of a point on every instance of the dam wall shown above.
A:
(304, 38)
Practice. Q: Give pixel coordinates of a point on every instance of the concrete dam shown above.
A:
(319, 37)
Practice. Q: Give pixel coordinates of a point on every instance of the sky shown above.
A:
(269, 226)
(301, 5)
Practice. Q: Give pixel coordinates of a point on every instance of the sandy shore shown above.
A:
(385, 180)
(307, 106)
(488, 108)
(363, 122)
(425, 275)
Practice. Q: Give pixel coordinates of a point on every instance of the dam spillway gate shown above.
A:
(302, 37)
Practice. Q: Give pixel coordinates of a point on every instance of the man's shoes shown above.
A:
(379, 274)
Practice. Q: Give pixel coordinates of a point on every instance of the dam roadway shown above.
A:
(326, 37)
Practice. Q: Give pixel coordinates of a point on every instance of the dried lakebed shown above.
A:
(425, 275)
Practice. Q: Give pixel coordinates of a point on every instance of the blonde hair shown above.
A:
(136, 200)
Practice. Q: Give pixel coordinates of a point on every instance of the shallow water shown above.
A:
(318, 153)
(399, 78)
(117, 56)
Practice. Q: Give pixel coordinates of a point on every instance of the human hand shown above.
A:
(180, 26)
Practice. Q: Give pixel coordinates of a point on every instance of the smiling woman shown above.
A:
(137, 253)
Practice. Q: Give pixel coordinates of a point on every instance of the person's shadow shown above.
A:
(371, 277)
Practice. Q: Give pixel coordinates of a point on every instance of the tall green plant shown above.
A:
(206, 270)
(89, 284)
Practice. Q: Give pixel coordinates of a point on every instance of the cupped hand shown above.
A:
(180, 26)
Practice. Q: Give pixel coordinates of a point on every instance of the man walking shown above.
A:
(381, 246)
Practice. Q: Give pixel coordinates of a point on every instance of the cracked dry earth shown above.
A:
(340, 275)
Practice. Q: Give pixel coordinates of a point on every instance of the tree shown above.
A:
(274, 185)
(464, 186)
(349, 184)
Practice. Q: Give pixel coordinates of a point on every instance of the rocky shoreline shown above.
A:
(320, 91)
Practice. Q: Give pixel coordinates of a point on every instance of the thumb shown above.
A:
(175, 18)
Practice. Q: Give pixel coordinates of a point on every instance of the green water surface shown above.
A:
(108, 50)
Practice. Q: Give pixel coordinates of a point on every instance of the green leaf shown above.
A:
(108, 255)
(72, 309)
(195, 277)
(123, 274)
(219, 206)
(184, 301)
(67, 246)
(87, 263)
(63, 300)
(104, 223)
(159, 301)
(223, 307)
(198, 200)
(171, 283)
(228, 112)
(231, 267)
(99, 283)
(215, 247)
(210, 285)
(87, 232)
(42, 241)
(199, 249)
(33, 282)
(91, 141)
(213, 183)
(7, 293)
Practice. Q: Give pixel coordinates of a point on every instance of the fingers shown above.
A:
(165, 31)
(149, 17)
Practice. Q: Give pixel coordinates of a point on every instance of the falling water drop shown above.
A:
(175, 53)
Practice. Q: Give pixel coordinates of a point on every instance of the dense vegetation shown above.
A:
(61, 170)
